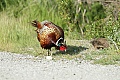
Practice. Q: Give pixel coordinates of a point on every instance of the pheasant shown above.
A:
(49, 35)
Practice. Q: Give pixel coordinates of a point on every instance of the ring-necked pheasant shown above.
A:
(50, 35)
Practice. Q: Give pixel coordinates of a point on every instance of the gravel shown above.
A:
(26, 67)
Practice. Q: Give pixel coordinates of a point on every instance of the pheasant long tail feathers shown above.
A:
(37, 24)
(34, 23)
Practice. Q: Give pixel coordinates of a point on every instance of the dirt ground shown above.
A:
(25, 67)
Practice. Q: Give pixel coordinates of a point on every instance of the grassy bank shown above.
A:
(17, 35)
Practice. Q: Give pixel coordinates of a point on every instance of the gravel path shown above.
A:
(25, 67)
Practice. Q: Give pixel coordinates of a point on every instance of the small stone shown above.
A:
(49, 57)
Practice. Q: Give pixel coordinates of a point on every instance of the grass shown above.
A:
(17, 35)
(82, 49)
(104, 57)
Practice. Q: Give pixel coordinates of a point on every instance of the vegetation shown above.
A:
(104, 57)
(79, 21)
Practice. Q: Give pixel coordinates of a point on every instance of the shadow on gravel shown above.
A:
(72, 50)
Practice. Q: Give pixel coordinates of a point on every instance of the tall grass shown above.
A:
(16, 32)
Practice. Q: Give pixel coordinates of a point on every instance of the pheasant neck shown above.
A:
(57, 43)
